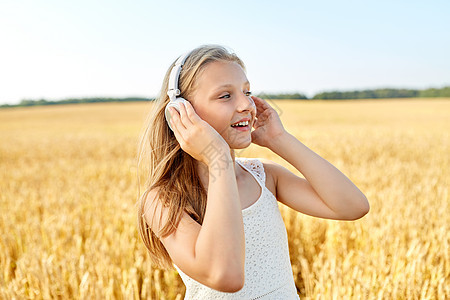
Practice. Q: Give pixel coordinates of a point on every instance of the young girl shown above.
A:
(214, 216)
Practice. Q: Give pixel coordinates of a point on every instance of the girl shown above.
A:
(214, 216)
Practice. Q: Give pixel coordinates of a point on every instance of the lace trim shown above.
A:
(255, 166)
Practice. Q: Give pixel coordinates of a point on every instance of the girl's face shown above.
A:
(221, 97)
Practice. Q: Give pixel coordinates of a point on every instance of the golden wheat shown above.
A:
(68, 189)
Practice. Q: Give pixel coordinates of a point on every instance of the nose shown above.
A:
(246, 103)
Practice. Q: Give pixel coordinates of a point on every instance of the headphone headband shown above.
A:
(173, 90)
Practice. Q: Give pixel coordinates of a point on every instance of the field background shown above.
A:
(68, 190)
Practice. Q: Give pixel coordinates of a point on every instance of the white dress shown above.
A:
(268, 270)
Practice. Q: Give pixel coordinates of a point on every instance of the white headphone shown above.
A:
(173, 92)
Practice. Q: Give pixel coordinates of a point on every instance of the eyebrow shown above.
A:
(227, 85)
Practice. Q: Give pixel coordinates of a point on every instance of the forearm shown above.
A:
(333, 187)
(221, 240)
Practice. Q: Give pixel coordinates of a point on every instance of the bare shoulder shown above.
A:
(156, 215)
(270, 168)
(180, 244)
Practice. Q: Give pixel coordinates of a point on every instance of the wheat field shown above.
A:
(68, 189)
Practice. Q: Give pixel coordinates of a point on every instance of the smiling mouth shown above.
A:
(241, 124)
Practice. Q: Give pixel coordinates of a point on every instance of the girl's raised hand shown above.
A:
(195, 135)
(268, 125)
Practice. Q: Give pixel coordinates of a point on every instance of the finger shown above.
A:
(261, 102)
(259, 107)
(184, 115)
(191, 112)
(262, 105)
(176, 132)
(176, 119)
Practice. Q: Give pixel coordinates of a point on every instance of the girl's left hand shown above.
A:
(268, 125)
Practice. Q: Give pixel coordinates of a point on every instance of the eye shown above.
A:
(224, 96)
(248, 94)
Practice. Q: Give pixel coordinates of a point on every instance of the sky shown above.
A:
(56, 49)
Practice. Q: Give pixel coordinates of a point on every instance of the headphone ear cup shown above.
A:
(175, 104)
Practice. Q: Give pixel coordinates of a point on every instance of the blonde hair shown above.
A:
(170, 170)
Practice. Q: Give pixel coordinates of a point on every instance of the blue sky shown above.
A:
(62, 49)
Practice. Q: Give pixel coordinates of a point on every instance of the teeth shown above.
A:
(240, 123)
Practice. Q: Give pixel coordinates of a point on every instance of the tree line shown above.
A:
(27, 102)
(385, 93)
(332, 95)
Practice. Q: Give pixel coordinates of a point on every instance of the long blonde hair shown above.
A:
(169, 169)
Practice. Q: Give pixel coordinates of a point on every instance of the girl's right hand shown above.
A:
(196, 137)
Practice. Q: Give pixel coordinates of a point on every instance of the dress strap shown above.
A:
(256, 167)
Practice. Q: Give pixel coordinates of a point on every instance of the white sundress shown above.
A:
(268, 270)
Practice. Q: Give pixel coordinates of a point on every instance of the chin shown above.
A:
(240, 145)
(238, 140)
